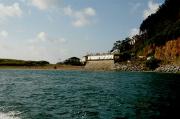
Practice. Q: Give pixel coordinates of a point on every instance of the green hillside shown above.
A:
(13, 62)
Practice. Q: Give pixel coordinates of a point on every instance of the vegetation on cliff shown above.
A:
(164, 25)
(159, 34)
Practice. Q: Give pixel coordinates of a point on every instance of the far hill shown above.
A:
(13, 62)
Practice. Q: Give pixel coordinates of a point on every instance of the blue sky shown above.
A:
(54, 30)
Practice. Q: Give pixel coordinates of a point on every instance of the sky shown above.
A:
(54, 30)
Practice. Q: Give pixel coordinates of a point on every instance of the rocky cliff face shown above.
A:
(169, 52)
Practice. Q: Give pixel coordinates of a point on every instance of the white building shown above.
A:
(100, 57)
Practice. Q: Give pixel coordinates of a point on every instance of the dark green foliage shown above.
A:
(37, 63)
(12, 62)
(125, 56)
(164, 25)
(125, 49)
(123, 45)
(152, 63)
(60, 63)
(140, 42)
(73, 61)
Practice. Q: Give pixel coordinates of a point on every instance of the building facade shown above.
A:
(100, 57)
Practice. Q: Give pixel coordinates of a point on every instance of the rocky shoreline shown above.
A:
(139, 67)
(129, 67)
(168, 68)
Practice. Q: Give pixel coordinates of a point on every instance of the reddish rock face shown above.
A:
(169, 52)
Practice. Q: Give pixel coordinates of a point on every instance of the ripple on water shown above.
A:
(87, 95)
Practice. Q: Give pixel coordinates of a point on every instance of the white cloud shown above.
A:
(90, 11)
(42, 36)
(10, 11)
(3, 34)
(133, 31)
(152, 8)
(46, 47)
(41, 47)
(44, 4)
(82, 17)
(80, 22)
(68, 11)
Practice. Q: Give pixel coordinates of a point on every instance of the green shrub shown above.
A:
(152, 63)
(73, 61)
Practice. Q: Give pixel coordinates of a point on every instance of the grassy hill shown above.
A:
(13, 62)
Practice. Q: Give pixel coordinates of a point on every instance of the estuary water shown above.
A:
(43, 94)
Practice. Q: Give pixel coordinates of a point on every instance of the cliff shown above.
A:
(162, 33)
(170, 52)
(159, 35)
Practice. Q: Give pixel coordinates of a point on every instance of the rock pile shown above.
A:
(168, 68)
(129, 67)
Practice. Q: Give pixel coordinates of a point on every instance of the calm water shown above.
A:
(28, 94)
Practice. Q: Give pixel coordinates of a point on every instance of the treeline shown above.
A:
(12, 62)
(164, 25)
(75, 61)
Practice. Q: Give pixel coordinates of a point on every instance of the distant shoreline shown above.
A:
(79, 68)
(46, 67)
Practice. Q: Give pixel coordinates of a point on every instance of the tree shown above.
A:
(73, 61)
(123, 45)
(164, 24)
